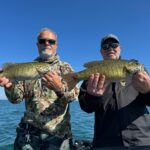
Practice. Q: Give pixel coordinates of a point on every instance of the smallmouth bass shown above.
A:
(24, 71)
(114, 70)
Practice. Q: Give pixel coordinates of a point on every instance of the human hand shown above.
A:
(52, 80)
(141, 82)
(4, 82)
(96, 85)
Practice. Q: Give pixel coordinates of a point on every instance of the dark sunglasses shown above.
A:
(110, 45)
(50, 41)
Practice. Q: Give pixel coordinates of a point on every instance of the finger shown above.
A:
(144, 72)
(101, 82)
(49, 73)
(146, 75)
(95, 80)
(140, 77)
(90, 81)
(8, 85)
(141, 74)
(137, 75)
(48, 77)
(53, 73)
(2, 78)
(46, 82)
(90, 88)
(4, 81)
(44, 79)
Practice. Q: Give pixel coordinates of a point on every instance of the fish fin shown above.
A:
(71, 80)
(92, 64)
(126, 69)
(122, 83)
(39, 71)
(8, 64)
(135, 61)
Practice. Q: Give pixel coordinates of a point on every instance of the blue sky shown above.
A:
(79, 24)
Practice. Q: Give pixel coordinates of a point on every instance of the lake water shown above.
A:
(10, 115)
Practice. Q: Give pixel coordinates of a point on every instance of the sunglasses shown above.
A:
(110, 45)
(50, 41)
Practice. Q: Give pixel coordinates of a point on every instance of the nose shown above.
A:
(109, 48)
(46, 42)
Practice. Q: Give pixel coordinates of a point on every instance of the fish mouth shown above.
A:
(141, 67)
(138, 69)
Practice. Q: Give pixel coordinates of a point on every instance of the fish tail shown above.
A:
(71, 80)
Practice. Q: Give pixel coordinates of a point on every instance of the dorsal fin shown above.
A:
(135, 61)
(92, 63)
(8, 64)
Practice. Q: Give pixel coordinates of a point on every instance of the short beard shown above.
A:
(45, 56)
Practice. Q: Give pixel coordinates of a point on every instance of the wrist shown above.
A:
(60, 92)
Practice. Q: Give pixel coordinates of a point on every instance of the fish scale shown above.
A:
(110, 69)
(25, 71)
(114, 70)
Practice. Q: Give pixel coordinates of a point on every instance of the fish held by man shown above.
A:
(24, 71)
(114, 70)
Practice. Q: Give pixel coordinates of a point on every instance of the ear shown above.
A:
(120, 49)
(102, 52)
(37, 44)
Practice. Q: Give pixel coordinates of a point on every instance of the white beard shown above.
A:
(45, 56)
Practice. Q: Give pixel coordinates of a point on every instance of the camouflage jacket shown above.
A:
(45, 109)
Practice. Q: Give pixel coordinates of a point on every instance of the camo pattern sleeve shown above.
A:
(64, 93)
(15, 93)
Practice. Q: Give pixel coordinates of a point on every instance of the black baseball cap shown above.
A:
(109, 36)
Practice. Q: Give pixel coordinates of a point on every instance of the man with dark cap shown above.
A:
(122, 121)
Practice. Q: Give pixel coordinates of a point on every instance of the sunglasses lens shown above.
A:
(50, 41)
(114, 45)
(41, 41)
(105, 46)
(111, 45)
